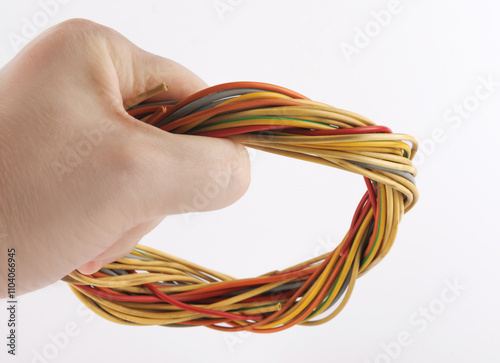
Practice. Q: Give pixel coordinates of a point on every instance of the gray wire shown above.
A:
(119, 272)
(404, 174)
(343, 288)
(108, 271)
(138, 257)
(212, 104)
(171, 284)
(202, 102)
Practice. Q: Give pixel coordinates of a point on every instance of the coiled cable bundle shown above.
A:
(150, 287)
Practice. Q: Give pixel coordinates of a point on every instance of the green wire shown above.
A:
(260, 118)
(255, 307)
(315, 312)
(136, 250)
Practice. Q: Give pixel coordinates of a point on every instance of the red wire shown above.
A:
(161, 297)
(234, 85)
(355, 227)
(251, 281)
(371, 192)
(194, 309)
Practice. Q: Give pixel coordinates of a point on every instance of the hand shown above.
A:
(82, 181)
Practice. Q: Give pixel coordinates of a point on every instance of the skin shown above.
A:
(82, 181)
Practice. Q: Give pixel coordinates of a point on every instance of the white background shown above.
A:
(427, 59)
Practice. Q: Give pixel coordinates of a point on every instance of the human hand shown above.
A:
(82, 181)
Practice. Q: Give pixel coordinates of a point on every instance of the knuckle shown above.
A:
(71, 38)
(78, 25)
(77, 34)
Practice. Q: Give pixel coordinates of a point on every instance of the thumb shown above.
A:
(184, 173)
(188, 173)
